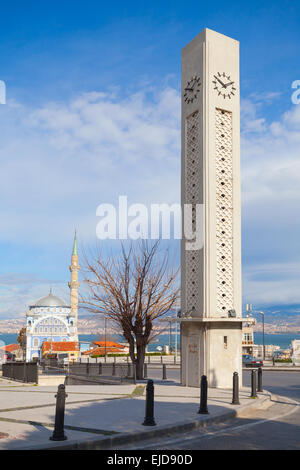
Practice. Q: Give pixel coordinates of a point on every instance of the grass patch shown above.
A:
(138, 391)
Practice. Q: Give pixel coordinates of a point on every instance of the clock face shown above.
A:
(192, 89)
(223, 85)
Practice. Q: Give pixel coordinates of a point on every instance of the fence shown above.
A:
(92, 372)
(23, 371)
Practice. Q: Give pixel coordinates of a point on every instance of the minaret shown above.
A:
(74, 285)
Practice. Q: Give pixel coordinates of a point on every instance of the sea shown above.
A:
(282, 340)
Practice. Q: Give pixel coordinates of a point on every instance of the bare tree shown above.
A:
(22, 341)
(133, 290)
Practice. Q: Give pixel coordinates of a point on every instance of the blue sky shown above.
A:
(93, 111)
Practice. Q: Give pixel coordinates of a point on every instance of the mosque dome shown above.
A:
(50, 301)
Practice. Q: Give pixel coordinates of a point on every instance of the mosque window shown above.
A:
(36, 343)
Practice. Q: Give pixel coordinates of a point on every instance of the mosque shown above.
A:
(51, 318)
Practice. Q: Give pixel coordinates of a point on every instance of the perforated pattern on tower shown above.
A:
(224, 211)
(192, 196)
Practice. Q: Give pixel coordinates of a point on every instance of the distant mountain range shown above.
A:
(279, 312)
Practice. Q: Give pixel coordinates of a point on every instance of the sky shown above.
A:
(93, 112)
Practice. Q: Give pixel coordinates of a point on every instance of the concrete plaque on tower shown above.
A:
(211, 323)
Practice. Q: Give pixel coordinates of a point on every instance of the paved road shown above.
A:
(277, 427)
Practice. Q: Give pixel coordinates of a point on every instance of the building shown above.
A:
(248, 335)
(258, 350)
(51, 319)
(71, 348)
(99, 348)
(296, 352)
(14, 349)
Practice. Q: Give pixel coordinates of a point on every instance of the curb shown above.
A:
(132, 437)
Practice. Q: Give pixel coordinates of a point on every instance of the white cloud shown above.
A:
(272, 283)
(270, 157)
(59, 162)
(18, 291)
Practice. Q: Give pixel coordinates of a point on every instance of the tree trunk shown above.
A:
(140, 359)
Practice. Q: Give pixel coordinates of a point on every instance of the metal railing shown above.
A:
(22, 371)
(92, 372)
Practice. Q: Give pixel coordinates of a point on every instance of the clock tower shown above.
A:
(211, 318)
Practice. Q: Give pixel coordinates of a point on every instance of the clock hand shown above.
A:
(227, 84)
(189, 89)
(224, 86)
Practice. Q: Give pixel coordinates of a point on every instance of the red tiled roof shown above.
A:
(11, 347)
(110, 344)
(60, 346)
(101, 351)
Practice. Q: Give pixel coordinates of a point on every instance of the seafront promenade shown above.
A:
(106, 416)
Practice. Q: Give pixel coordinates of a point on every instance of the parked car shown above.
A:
(250, 361)
(9, 357)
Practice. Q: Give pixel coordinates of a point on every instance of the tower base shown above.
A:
(211, 347)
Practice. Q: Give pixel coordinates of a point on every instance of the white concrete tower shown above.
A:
(74, 285)
(211, 340)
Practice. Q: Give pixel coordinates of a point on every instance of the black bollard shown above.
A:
(87, 367)
(174, 359)
(114, 368)
(100, 368)
(149, 418)
(259, 380)
(145, 371)
(134, 373)
(164, 372)
(128, 370)
(161, 359)
(235, 389)
(203, 396)
(253, 384)
(58, 433)
(148, 359)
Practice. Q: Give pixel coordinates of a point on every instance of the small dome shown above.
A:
(50, 301)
